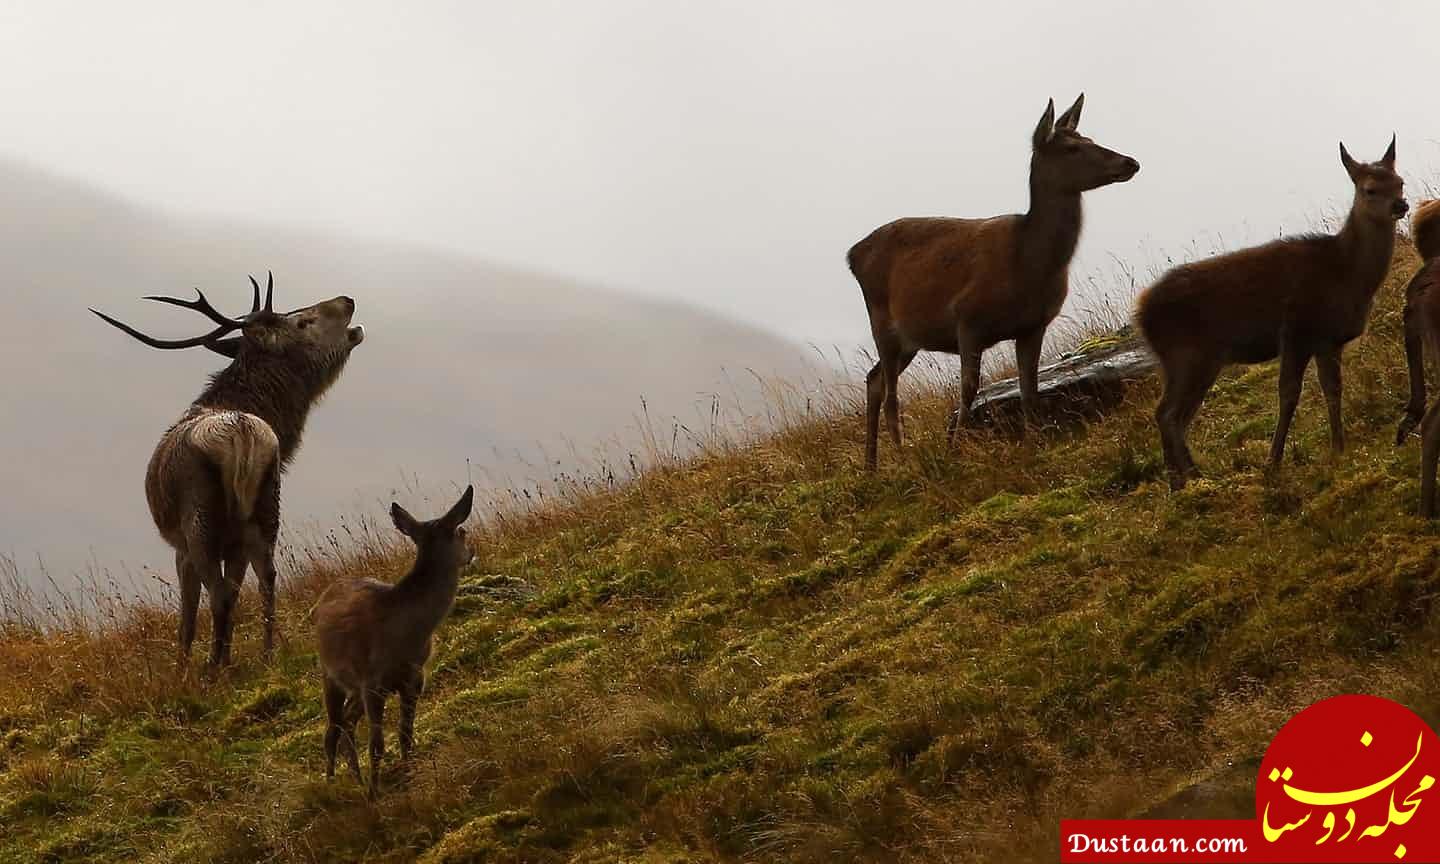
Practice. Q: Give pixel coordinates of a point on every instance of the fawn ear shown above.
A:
(1388, 160)
(1351, 166)
(460, 512)
(1071, 118)
(1046, 128)
(404, 521)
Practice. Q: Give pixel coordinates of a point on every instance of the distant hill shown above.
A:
(462, 361)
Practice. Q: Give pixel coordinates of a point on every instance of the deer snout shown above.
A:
(1128, 168)
(1399, 208)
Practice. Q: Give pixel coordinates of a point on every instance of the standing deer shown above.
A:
(213, 483)
(1422, 326)
(962, 285)
(1295, 298)
(374, 637)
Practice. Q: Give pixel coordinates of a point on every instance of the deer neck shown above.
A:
(1367, 246)
(279, 389)
(1049, 231)
(427, 592)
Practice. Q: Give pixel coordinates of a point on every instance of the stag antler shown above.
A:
(202, 305)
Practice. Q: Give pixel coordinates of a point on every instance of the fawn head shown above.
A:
(1379, 191)
(1063, 160)
(441, 541)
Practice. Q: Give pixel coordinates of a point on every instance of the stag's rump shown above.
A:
(214, 462)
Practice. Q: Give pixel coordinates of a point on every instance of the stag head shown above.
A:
(323, 328)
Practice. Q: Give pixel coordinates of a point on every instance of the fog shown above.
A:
(722, 156)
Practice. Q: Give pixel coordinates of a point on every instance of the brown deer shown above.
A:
(962, 285)
(1422, 325)
(374, 637)
(213, 483)
(1295, 298)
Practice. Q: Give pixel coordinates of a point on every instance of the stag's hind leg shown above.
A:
(189, 603)
(261, 534)
(874, 396)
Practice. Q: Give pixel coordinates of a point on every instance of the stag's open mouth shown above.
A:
(356, 335)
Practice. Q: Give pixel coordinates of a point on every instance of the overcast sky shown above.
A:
(722, 153)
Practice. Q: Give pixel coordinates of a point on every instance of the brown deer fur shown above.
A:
(374, 638)
(213, 482)
(1295, 298)
(1422, 326)
(962, 285)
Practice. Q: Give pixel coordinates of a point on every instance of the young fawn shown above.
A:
(1422, 326)
(1295, 298)
(962, 285)
(374, 637)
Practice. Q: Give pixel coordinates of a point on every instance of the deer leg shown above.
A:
(1027, 361)
(1415, 362)
(409, 697)
(354, 707)
(374, 701)
(334, 723)
(969, 386)
(1187, 380)
(260, 538)
(892, 395)
(1292, 372)
(874, 395)
(222, 614)
(1429, 456)
(1327, 365)
(189, 603)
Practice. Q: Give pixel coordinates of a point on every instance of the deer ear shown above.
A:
(1046, 127)
(460, 512)
(1388, 160)
(406, 523)
(1071, 118)
(1351, 166)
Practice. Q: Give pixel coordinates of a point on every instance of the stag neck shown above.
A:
(275, 388)
(1051, 228)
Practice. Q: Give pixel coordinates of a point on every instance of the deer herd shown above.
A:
(957, 286)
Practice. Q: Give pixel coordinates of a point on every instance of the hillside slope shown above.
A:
(770, 655)
(466, 365)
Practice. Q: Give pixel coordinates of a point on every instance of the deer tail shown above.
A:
(244, 448)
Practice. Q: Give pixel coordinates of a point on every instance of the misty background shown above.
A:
(549, 211)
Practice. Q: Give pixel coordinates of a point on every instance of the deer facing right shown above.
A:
(374, 637)
(1296, 298)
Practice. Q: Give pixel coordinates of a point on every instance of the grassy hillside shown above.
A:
(770, 655)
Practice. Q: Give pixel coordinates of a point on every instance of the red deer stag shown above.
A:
(374, 638)
(962, 285)
(213, 483)
(1295, 298)
(1422, 325)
